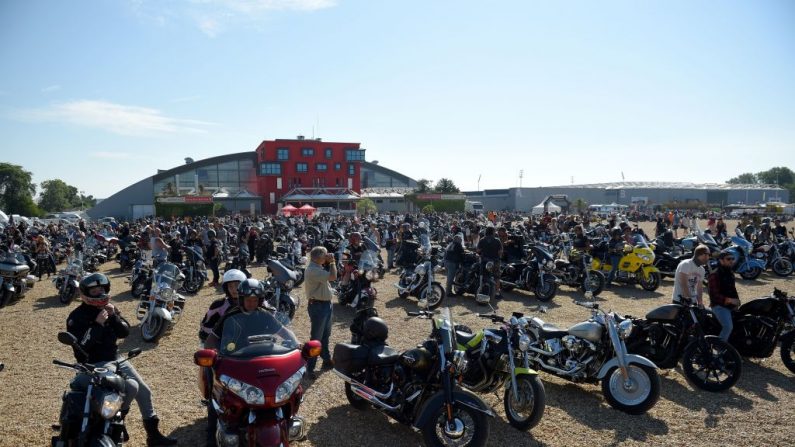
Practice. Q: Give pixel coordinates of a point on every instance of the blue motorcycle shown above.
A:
(747, 266)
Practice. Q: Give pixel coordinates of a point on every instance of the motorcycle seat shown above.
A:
(463, 338)
(382, 355)
(547, 330)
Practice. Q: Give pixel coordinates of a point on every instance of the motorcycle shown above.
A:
(278, 288)
(14, 277)
(676, 331)
(140, 277)
(635, 267)
(194, 269)
(92, 416)
(746, 265)
(417, 387)
(127, 257)
(68, 280)
(577, 272)
(760, 324)
(593, 351)
(164, 305)
(361, 274)
(255, 385)
(774, 259)
(419, 281)
(497, 358)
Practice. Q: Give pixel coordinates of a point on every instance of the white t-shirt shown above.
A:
(694, 273)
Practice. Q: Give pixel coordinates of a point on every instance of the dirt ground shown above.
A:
(758, 411)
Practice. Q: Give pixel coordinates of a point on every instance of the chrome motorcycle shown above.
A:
(163, 307)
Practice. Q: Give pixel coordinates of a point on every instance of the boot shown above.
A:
(153, 435)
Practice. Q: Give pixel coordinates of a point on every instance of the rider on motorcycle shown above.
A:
(231, 279)
(615, 249)
(723, 297)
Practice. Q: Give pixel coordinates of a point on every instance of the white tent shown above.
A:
(551, 207)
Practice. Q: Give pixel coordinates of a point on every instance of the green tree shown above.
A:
(17, 190)
(445, 186)
(747, 178)
(776, 176)
(56, 195)
(423, 185)
(428, 209)
(580, 205)
(366, 206)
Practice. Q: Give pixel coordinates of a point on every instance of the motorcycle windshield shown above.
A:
(166, 276)
(368, 260)
(255, 334)
(444, 324)
(708, 239)
(10, 257)
(542, 253)
(195, 253)
(280, 272)
(640, 241)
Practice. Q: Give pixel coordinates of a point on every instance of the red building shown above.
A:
(308, 171)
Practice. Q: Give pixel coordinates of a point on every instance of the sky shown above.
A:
(103, 93)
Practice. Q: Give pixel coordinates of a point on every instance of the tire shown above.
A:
(3, 298)
(138, 287)
(548, 291)
(751, 274)
(652, 282)
(788, 350)
(782, 267)
(66, 295)
(529, 415)
(644, 392)
(729, 363)
(152, 330)
(355, 401)
(438, 295)
(476, 427)
(597, 283)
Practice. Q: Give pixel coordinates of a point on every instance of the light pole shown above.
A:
(82, 193)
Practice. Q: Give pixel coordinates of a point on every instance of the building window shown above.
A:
(338, 182)
(351, 169)
(270, 169)
(328, 153)
(337, 166)
(282, 153)
(301, 167)
(321, 167)
(354, 155)
(307, 152)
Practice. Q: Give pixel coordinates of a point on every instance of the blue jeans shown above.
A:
(724, 316)
(320, 317)
(452, 270)
(614, 260)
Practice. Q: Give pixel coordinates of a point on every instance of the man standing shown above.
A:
(318, 292)
(453, 257)
(689, 278)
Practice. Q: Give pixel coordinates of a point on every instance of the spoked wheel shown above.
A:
(595, 282)
(468, 428)
(651, 281)
(525, 410)
(713, 365)
(548, 290)
(153, 328)
(782, 267)
(634, 395)
(436, 296)
(788, 350)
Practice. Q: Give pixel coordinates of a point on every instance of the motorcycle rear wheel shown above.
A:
(475, 428)
(788, 350)
(193, 286)
(720, 359)
(782, 267)
(153, 329)
(633, 400)
(526, 414)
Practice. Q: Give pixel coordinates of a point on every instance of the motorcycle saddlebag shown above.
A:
(350, 359)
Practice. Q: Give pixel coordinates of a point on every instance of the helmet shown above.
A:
(91, 281)
(616, 232)
(765, 226)
(375, 329)
(210, 233)
(250, 287)
(232, 275)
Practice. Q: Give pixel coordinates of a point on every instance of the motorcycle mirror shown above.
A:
(134, 353)
(67, 339)
(311, 349)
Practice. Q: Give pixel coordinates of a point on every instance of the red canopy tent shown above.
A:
(307, 210)
(289, 210)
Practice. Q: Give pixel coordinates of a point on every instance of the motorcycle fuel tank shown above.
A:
(588, 330)
(761, 306)
(667, 312)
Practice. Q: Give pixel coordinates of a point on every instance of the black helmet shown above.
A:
(250, 287)
(616, 231)
(375, 329)
(94, 280)
(210, 234)
(765, 226)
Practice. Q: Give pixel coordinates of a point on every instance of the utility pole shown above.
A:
(479, 176)
(521, 174)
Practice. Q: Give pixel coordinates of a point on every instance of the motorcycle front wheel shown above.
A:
(436, 297)
(788, 350)
(650, 282)
(525, 410)
(193, 286)
(153, 329)
(548, 290)
(782, 267)
(65, 297)
(470, 428)
(596, 283)
(138, 287)
(636, 395)
(751, 274)
(713, 365)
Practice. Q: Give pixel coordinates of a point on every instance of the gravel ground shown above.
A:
(758, 411)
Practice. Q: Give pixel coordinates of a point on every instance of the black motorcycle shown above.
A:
(92, 416)
(577, 272)
(194, 269)
(14, 277)
(277, 289)
(417, 387)
(675, 331)
(535, 275)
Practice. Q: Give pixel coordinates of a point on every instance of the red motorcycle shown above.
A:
(255, 384)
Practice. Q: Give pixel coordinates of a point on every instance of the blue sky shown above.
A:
(103, 93)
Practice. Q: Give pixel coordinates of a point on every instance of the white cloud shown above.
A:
(51, 88)
(208, 26)
(186, 99)
(251, 6)
(116, 118)
(112, 155)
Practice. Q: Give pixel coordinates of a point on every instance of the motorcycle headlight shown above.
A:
(420, 269)
(288, 387)
(490, 266)
(460, 361)
(550, 265)
(249, 393)
(625, 328)
(646, 258)
(524, 342)
(166, 293)
(111, 404)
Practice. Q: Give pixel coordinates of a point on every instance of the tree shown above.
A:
(423, 185)
(366, 206)
(57, 195)
(746, 178)
(580, 205)
(17, 190)
(445, 186)
(776, 176)
(428, 209)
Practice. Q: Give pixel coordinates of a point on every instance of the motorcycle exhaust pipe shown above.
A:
(365, 387)
(508, 283)
(372, 399)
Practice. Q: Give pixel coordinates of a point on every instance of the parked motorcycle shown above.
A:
(163, 307)
(127, 257)
(92, 416)
(774, 259)
(256, 381)
(534, 275)
(194, 269)
(746, 265)
(577, 272)
(419, 281)
(68, 280)
(497, 358)
(417, 387)
(278, 288)
(593, 351)
(15, 279)
(676, 331)
(140, 277)
(635, 267)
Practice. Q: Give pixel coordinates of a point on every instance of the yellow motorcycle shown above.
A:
(635, 267)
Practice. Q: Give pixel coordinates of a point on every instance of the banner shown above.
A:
(186, 199)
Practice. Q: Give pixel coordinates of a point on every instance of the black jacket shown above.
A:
(99, 341)
(454, 253)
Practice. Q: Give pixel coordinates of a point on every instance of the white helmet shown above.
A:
(232, 275)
